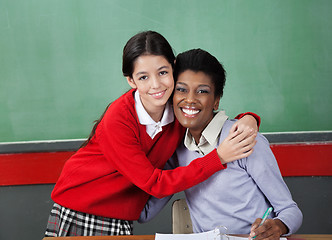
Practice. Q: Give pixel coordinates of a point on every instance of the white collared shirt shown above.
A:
(152, 127)
(210, 135)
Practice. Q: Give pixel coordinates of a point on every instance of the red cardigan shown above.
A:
(114, 174)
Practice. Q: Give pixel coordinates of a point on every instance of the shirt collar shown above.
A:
(209, 137)
(152, 127)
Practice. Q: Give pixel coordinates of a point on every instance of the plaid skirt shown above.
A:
(66, 222)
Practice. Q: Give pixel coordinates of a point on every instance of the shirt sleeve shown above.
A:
(263, 168)
(121, 146)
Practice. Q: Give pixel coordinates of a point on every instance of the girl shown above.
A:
(105, 185)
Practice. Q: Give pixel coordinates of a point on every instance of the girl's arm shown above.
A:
(122, 147)
(155, 205)
(121, 144)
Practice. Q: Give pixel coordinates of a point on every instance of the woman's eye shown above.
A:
(163, 73)
(143, 78)
(203, 91)
(180, 89)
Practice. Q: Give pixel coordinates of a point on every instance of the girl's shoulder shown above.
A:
(122, 107)
(120, 113)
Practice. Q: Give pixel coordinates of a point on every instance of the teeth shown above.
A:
(190, 111)
(158, 94)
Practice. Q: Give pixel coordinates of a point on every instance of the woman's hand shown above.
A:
(240, 141)
(271, 229)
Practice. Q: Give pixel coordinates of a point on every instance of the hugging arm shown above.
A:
(155, 205)
(238, 144)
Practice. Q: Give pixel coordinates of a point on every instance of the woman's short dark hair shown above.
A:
(145, 43)
(198, 60)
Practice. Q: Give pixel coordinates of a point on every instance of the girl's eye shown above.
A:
(163, 73)
(143, 78)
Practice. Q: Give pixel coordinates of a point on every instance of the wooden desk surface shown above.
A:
(151, 237)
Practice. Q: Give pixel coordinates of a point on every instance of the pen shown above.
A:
(266, 214)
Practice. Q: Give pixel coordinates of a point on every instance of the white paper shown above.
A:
(210, 235)
(240, 238)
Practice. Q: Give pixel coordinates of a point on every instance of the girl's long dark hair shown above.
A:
(93, 131)
(143, 43)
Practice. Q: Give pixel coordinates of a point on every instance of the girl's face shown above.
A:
(153, 77)
(194, 101)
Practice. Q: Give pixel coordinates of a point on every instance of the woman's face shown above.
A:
(153, 78)
(194, 101)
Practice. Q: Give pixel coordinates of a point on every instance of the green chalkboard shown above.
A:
(60, 60)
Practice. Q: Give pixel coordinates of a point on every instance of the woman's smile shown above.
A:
(189, 111)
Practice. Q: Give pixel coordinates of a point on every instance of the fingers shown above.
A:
(260, 232)
(245, 139)
(255, 224)
(234, 147)
(240, 135)
(245, 154)
(233, 128)
(268, 231)
(239, 127)
(243, 145)
(237, 145)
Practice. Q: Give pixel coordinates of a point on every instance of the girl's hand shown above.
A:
(240, 141)
(247, 124)
(236, 145)
(271, 229)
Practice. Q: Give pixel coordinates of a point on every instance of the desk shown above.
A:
(151, 237)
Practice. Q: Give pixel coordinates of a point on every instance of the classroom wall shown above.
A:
(60, 65)
(60, 61)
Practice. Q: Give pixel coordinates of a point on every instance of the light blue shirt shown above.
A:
(236, 196)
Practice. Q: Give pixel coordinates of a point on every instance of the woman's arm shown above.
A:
(264, 170)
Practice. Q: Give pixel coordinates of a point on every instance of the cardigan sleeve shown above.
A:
(258, 118)
(154, 205)
(121, 146)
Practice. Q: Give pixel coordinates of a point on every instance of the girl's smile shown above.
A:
(158, 95)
